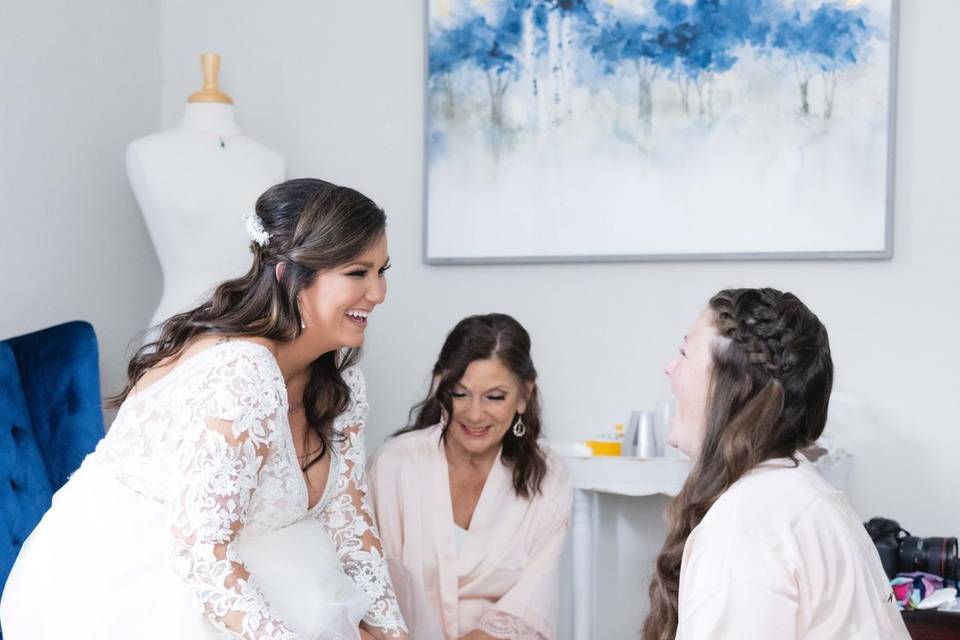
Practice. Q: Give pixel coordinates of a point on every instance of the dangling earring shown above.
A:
(303, 324)
(518, 427)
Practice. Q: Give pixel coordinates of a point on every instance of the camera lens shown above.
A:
(953, 570)
(932, 555)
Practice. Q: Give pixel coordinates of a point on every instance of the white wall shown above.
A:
(77, 82)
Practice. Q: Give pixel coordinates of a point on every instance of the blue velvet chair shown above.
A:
(50, 419)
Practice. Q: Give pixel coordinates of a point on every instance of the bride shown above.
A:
(228, 498)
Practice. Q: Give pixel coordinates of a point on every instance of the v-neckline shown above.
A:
(331, 479)
(295, 462)
(331, 472)
(484, 491)
(191, 361)
(306, 509)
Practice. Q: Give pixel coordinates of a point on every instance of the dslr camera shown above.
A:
(901, 552)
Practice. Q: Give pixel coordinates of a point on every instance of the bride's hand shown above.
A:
(365, 636)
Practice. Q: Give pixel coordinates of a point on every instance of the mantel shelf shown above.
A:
(628, 476)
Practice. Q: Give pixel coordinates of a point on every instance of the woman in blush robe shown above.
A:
(473, 508)
(759, 545)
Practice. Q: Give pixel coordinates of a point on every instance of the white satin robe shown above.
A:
(505, 580)
(782, 555)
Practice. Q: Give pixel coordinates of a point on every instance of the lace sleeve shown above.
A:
(347, 517)
(500, 624)
(218, 466)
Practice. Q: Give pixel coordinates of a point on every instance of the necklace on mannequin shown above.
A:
(224, 138)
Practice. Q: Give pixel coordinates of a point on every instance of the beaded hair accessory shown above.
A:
(256, 231)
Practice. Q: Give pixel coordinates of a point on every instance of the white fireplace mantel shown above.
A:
(590, 475)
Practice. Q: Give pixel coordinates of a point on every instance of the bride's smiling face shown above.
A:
(337, 306)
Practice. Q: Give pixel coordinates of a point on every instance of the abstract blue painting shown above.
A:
(658, 129)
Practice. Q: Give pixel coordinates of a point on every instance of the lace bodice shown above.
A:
(211, 444)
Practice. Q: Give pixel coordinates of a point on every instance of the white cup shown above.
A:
(647, 445)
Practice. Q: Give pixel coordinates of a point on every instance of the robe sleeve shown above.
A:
(528, 611)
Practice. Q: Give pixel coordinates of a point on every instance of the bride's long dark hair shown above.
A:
(314, 226)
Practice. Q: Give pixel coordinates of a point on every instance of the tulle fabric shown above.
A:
(113, 578)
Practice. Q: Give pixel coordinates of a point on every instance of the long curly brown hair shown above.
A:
(314, 226)
(494, 335)
(769, 391)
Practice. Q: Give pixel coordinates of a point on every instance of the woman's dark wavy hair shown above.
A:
(314, 226)
(769, 391)
(481, 337)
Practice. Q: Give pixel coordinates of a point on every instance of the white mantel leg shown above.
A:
(582, 526)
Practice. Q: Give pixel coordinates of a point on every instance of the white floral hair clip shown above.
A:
(256, 231)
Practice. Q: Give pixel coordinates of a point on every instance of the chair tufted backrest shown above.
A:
(24, 485)
(50, 419)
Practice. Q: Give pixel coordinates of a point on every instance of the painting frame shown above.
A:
(884, 253)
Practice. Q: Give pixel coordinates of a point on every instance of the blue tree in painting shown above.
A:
(692, 41)
(498, 58)
(700, 41)
(830, 40)
(564, 20)
(675, 39)
(791, 36)
(486, 47)
(449, 50)
(720, 27)
(496, 46)
(498, 65)
(629, 41)
(534, 42)
(838, 40)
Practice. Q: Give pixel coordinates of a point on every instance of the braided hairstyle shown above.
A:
(769, 390)
(314, 226)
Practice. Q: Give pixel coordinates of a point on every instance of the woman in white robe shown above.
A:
(473, 508)
(759, 545)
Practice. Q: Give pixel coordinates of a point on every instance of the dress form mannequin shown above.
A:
(194, 184)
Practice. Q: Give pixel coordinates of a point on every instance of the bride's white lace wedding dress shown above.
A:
(191, 521)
